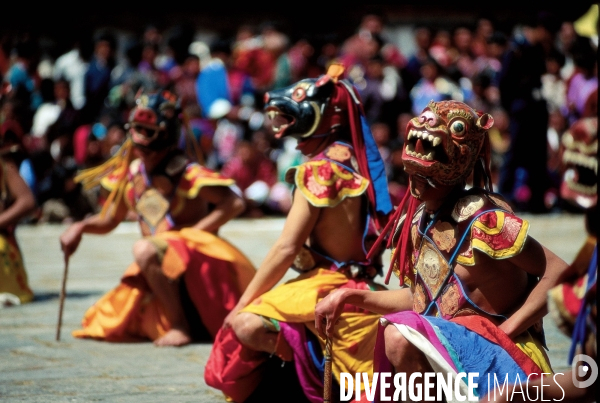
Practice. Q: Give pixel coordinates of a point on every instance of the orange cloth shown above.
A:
(215, 274)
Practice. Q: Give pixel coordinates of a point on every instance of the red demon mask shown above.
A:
(445, 141)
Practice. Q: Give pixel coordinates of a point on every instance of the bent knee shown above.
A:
(402, 353)
(144, 253)
(246, 326)
(396, 345)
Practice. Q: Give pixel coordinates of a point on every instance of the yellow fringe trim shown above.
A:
(118, 164)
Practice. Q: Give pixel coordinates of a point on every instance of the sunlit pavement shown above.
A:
(34, 367)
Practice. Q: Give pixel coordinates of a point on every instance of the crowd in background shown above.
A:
(69, 111)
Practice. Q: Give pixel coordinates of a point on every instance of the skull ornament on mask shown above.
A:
(154, 122)
(445, 141)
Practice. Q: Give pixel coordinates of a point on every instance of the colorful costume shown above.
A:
(573, 303)
(212, 269)
(339, 172)
(14, 287)
(445, 323)
(444, 144)
(214, 272)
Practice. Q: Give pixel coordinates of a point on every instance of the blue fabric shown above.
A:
(316, 354)
(99, 131)
(383, 202)
(579, 330)
(28, 175)
(17, 75)
(97, 76)
(477, 354)
(212, 84)
(449, 348)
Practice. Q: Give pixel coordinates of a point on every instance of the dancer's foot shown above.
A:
(173, 337)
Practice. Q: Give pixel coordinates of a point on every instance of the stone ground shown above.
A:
(34, 367)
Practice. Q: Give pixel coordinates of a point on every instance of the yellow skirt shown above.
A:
(13, 278)
(355, 332)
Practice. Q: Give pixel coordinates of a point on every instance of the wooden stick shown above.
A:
(62, 297)
(191, 141)
(327, 375)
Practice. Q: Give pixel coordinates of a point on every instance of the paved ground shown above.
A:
(36, 368)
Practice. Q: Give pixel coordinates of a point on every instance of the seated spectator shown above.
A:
(127, 78)
(433, 85)
(462, 41)
(499, 142)
(228, 132)
(97, 78)
(411, 73)
(21, 76)
(115, 136)
(287, 157)
(72, 65)
(369, 40)
(280, 196)
(554, 87)
(441, 49)
(381, 135)
(254, 174)
(214, 89)
(93, 149)
(66, 201)
(87, 141)
(383, 92)
(582, 86)
(46, 114)
(184, 84)
(482, 94)
(489, 64)
(250, 55)
(203, 130)
(68, 117)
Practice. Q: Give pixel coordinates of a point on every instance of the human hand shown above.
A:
(509, 327)
(228, 322)
(70, 239)
(327, 312)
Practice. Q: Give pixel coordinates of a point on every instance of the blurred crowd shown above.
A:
(69, 110)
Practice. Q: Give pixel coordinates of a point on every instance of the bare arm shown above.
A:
(298, 225)
(540, 261)
(24, 202)
(328, 310)
(96, 224)
(227, 206)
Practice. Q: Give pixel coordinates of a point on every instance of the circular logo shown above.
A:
(584, 367)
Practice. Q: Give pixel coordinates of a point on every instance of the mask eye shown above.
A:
(299, 94)
(458, 128)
